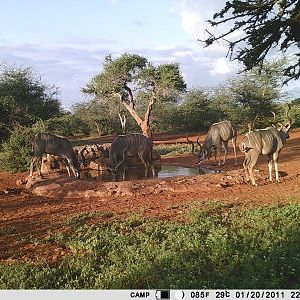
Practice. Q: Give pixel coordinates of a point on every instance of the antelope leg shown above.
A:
(225, 151)
(253, 159)
(270, 168)
(234, 150)
(275, 158)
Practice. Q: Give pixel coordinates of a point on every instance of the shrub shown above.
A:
(16, 153)
(173, 149)
(295, 114)
(68, 125)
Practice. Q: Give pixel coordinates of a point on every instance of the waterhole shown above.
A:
(133, 173)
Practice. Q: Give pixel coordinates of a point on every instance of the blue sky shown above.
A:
(67, 40)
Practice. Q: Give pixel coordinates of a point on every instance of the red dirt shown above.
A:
(25, 216)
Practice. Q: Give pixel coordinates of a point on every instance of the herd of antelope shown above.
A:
(267, 141)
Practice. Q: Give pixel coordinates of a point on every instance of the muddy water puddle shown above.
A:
(163, 171)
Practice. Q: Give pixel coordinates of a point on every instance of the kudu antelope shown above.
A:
(47, 143)
(130, 145)
(101, 151)
(268, 141)
(218, 134)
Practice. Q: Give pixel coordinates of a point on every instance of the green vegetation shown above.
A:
(266, 26)
(152, 84)
(295, 112)
(173, 149)
(16, 153)
(24, 99)
(158, 102)
(219, 246)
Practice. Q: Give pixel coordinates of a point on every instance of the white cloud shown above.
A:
(220, 66)
(71, 66)
(192, 21)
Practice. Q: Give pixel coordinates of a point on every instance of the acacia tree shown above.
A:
(261, 26)
(131, 78)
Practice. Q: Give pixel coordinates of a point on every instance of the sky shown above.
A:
(65, 41)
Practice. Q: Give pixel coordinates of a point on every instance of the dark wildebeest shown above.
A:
(130, 145)
(268, 141)
(218, 134)
(47, 143)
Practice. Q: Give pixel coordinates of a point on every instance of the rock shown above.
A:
(98, 165)
(21, 182)
(225, 184)
(31, 181)
(50, 190)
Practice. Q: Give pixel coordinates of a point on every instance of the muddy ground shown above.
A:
(27, 214)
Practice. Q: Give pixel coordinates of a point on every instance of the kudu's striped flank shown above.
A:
(218, 134)
(268, 141)
(47, 143)
(130, 145)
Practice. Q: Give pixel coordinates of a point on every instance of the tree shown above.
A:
(68, 125)
(24, 99)
(252, 95)
(295, 112)
(260, 27)
(131, 78)
(195, 112)
(102, 115)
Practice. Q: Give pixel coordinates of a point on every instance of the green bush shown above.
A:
(295, 114)
(173, 149)
(16, 153)
(68, 125)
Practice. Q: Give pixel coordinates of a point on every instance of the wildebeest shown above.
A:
(268, 141)
(47, 143)
(130, 145)
(218, 134)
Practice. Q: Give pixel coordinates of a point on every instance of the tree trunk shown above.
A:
(144, 124)
(98, 129)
